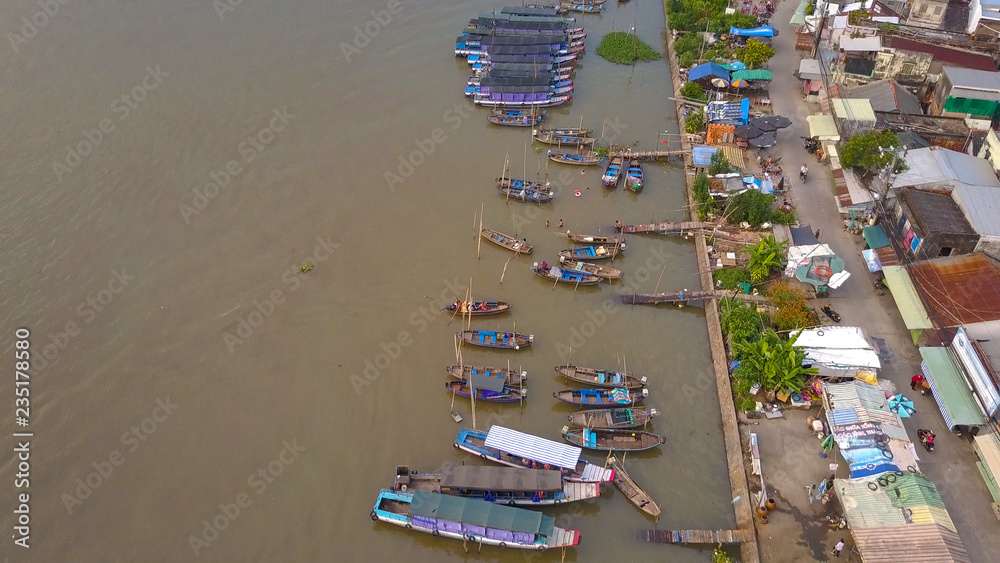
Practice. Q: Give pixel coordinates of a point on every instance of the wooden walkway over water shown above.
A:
(668, 228)
(696, 536)
(687, 297)
(644, 155)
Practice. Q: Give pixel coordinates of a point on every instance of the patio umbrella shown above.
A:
(737, 66)
(778, 121)
(739, 83)
(763, 141)
(719, 82)
(762, 124)
(901, 406)
(748, 132)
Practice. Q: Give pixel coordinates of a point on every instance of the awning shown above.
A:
(479, 513)
(823, 127)
(911, 308)
(533, 447)
(871, 259)
(809, 69)
(950, 390)
(987, 448)
(734, 155)
(875, 237)
(756, 74)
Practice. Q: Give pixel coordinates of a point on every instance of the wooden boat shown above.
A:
(528, 196)
(565, 276)
(595, 239)
(497, 339)
(479, 308)
(601, 378)
(519, 184)
(601, 397)
(605, 272)
(503, 485)
(517, 449)
(471, 520)
(567, 131)
(556, 137)
(633, 176)
(620, 418)
(514, 121)
(613, 173)
(588, 159)
(605, 440)
(601, 252)
(632, 490)
(506, 241)
(510, 377)
(505, 393)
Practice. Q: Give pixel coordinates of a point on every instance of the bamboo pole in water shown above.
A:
(660, 278)
(504, 272)
(479, 246)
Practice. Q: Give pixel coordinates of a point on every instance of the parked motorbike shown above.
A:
(836, 523)
(926, 438)
(879, 286)
(809, 144)
(834, 316)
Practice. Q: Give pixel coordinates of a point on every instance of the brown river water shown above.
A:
(168, 166)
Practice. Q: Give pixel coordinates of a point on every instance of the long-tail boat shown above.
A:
(517, 449)
(485, 391)
(600, 252)
(594, 239)
(507, 241)
(639, 497)
(479, 308)
(496, 339)
(564, 276)
(601, 378)
(575, 159)
(511, 377)
(613, 173)
(472, 520)
(605, 440)
(617, 419)
(521, 184)
(601, 397)
(503, 485)
(633, 176)
(555, 137)
(526, 195)
(605, 272)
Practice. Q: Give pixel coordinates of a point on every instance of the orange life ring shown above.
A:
(823, 271)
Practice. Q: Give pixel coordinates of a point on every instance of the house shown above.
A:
(958, 290)
(927, 13)
(987, 24)
(884, 95)
(991, 149)
(947, 132)
(965, 92)
(908, 67)
(936, 168)
(945, 55)
(936, 222)
(853, 116)
(981, 207)
(857, 59)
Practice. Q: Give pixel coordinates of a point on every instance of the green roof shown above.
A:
(756, 74)
(911, 308)
(913, 489)
(875, 237)
(480, 513)
(952, 390)
(974, 107)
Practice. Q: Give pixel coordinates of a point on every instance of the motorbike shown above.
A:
(803, 174)
(926, 438)
(836, 523)
(879, 286)
(809, 144)
(834, 316)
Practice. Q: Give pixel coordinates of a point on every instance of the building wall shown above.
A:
(991, 149)
(932, 245)
(905, 67)
(927, 13)
(989, 246)
(941, 91)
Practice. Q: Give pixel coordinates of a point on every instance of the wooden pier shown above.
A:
(644, 155)
(668, 228)
(697, 536)
(687, 297)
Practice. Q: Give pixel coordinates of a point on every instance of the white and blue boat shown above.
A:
(517, 449)
(471, 520)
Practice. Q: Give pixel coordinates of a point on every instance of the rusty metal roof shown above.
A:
(959, 289)
(915, 543)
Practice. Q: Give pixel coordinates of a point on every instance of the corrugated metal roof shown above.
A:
(886, 95)
(972, 79)
(533, 447)
(972, 95)
(959, 290)
(988, 450)
(755, 74)
(903, 455)
(906, 298)
(867, 402)
(858, 44)
(809, 69)
(854, 109)
(912, 490)
(937, 165)
(916, 543)
(933, 213)
(981, 206)
(823, 127)
(951, 388)
(865, 508)
(932, 515)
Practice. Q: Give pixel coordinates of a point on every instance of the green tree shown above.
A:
(774, 363)
(766, 255)
(755, 53)
(719, 164)
(693, 91)
(865, 151)
(694, 122)
(750, 207)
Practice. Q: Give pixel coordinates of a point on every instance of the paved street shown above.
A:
(789, 453)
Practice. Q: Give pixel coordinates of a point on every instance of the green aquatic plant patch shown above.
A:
(624, 48)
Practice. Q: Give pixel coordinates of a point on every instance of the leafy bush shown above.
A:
(810, 8)
(702, 196)
(755, 53)
(693, 91)
(793, 313)
(779, 217)
(740, 322)
(719, 164)
(863, 150)
(694, 122)
(767, 255)
(751, 207)
(774, 363)
(730, 278)
(687, 60)
(625, 48)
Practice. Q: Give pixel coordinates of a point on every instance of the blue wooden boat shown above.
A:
(600, 252)
(601, 377)
(558, 275)
(485, 392)
(496, 339)
(575, 159)
(511, 377)
(633, 177)
(517, 449)
(504, 485)
(601, 397)
(613, 173)
(472, 520)
(526, 194)
(605, 440)
(620, 418)
(520, 184)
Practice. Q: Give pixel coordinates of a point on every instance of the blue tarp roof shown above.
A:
(708, 69)
(702, 155)
(765, 31)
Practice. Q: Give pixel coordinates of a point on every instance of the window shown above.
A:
(945, 251)
(937, 11)
(907, 69)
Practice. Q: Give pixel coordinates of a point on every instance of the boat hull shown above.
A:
(592, 253)
(603, 440)
(460, 387)
(620, 418)
(601, 378)
(604, 272)
(494, 339)
(511, 377)
(597, 397)
(493, 308)
(566, 276)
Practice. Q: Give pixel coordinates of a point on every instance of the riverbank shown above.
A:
(720, 363)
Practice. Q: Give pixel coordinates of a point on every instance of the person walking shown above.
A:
(915, 381)
(838, 548)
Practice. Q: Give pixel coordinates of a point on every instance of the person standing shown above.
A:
(838, 548)
(915, 381)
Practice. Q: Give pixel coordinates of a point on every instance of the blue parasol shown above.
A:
(901, 406)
